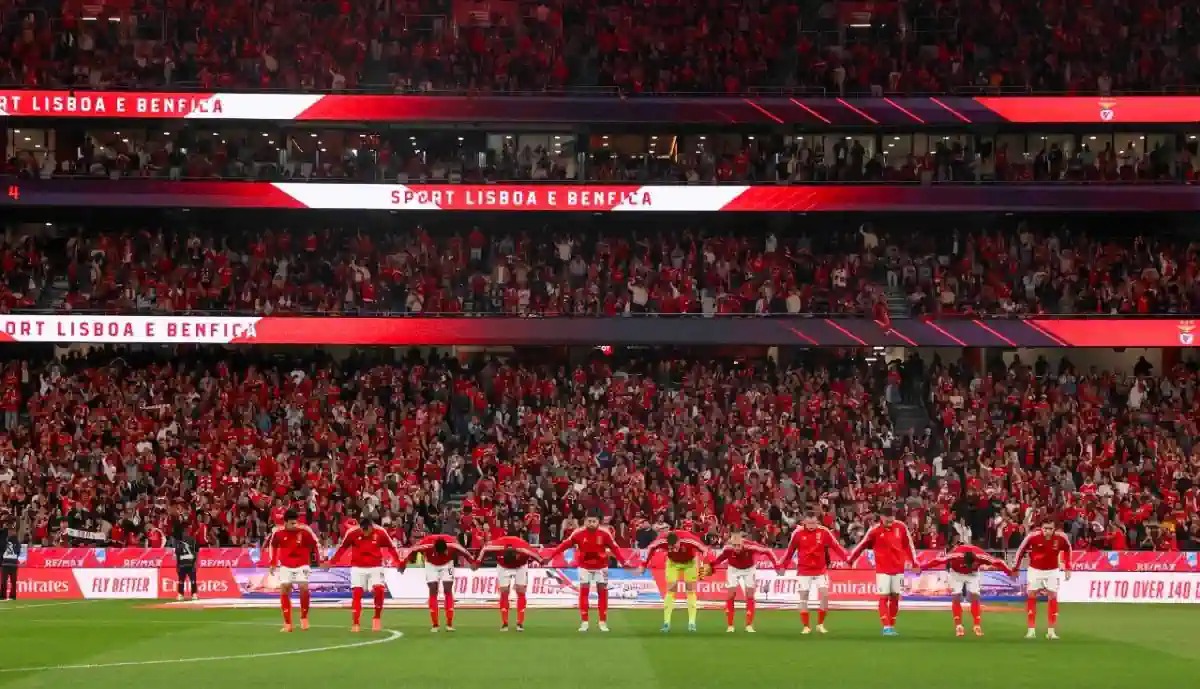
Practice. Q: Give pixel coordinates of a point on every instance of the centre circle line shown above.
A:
(392, 635)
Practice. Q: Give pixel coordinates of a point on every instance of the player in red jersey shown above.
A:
(440, 552)
(1049, 562)
(740, 555)
(291, 551)
(893, 547)
(684, 551)
(367, 545)
(812, 542)
(593, 546)
(512, 571)
(965, 561)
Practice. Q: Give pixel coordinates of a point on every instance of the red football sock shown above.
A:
(729, 612)
(1031, 611)
(804, 617)
(356, 604)
(380, 594)
(750, 612)
(893, 609)
(504, 608)
(883, 611)
(602, 604)
(583, 602)
(956, 608)
(305, 599)
(433, 610)
(521, 608)
(821, 616)
(449, 609)
(1052, 612)
(976, 612)
(285, 604)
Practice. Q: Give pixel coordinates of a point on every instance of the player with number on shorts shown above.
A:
(965, 561)
(1049, 564)
(513, 555)
(811, 542)
(368, 544)
(593, 545)
(740, 555)
(893, 547)
(440, 552)
(291, 550)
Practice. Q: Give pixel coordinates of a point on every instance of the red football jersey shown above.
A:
(367, 549)
(1044, 552)
(522, 551)
(892, 545)
(813, 546)
(686, 549)
(425, 546)
(743, 557)
(292, 548)
(592, 548)
(956, 560)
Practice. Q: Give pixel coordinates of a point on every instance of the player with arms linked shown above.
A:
(811, 542)
(893, 547)
(367, 545)
(740, 555)
(1049, 564)
(512, 572)
(440, 552)
(593, 546)
(684, 551)
(965, 562)
(291, 551)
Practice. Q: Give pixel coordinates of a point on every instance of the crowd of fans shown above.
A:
(636, 47)
(121, 447)
(278, 157)
(881, 269)
(611, 271)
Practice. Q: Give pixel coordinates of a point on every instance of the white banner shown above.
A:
(117, 583)
(1131, 587)
(86, 535)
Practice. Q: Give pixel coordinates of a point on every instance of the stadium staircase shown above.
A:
(908, 419)
(897, 302)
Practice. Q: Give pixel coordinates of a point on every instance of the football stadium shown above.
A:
(610, 344)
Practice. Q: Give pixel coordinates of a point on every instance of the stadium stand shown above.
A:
(880, 268)
(128, 438)
(374, 158)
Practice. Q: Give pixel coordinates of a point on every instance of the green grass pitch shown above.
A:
(128, 646)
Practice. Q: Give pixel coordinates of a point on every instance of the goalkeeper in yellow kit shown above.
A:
(684, 551)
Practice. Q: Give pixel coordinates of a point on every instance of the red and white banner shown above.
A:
(525, 197)
(432, 330)
(814, 112)
(1131, 587)
(160, 105)
(68, 558)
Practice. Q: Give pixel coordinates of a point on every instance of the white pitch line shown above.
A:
(9, 608)
(392, 635)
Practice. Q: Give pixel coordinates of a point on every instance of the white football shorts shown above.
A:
(1044, 579)
(889, 584)
(294, 575)
(587, 577)
(507, 578)
(367, 578)
(439, 574)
